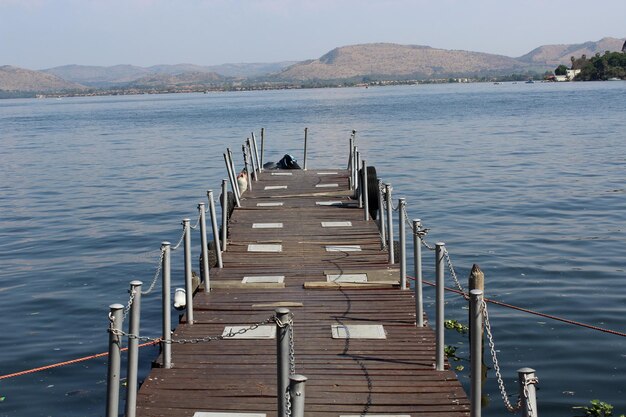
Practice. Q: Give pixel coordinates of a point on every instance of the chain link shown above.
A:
(131, 298)
(205, 339)
(453, 273)
(180, 241)
(156, 274)
(496, 365)
(194, 227)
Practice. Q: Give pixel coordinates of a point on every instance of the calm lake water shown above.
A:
(526, 180)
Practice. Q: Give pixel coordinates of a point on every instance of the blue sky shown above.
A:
(38, 34)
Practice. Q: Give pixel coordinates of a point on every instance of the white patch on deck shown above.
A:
(327, 173)
(375, 415)
(336, 224)
(229, 414)
(343, 248)
(346, 277)
(281, 173)
(261, 332)
(263, 279)
(275, 187)
(358, 331)
(267, 225)
(265, 248)
(276, 204)
(329, 203)
(327, 185)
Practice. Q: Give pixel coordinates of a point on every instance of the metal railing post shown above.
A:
(204, 248)
(246, 166)
(297, 384)
(306, 135)
(133, 349)
(402, 233)
(528, 392)
(417, 264)
(216, 233)
(365, 191)
(234, 171)
(259, 167)
(262, 144)
(390, 242)
(188, 283)
(166, 338)
(359, 179)
(116, 313)
(233, 179)
(439, 313)
(282, 358)
(350, 161)
(252, 161)
(381, 215)
(476, 349)
(225, 210)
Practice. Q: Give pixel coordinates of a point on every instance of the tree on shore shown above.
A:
(602, 67)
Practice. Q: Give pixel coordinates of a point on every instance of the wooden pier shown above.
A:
(301, 252)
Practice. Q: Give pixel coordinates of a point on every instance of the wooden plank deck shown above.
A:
(345, 376)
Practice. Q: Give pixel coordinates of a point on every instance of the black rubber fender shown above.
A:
(230, 199)
(372, 191)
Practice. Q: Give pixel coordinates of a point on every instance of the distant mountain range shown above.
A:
(356, 63)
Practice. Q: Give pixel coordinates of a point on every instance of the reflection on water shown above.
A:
(525, 180)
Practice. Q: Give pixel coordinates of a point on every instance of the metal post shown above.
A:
(188, 283)
(133, 349)
(205, 249)
(417, 261)
(402, 233)
(528, 392)
(365, 191)
(306, 134)
(234, 171)
(381, 217)
(252, 161)
(233, 179)
(476, 339)
(259, 165)
(225, 210)
(350, 159)
(359, 179)
(282, 357)
(439, 269)
(216, 233)
(262, 145)
(116, 313)
(355, 170)
(389, 224)
(245, 163)
(297, 385)
(166, 338)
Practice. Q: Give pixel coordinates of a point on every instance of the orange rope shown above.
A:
(537, 313)
(70, 362)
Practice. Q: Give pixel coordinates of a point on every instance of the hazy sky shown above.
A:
(38, 34)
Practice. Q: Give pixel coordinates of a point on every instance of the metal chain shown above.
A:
(525, 383)
(194, 227)
(496, 365)
(229, 335)
(453, 273)
(156, 275)
(131, 298)
(182, 237)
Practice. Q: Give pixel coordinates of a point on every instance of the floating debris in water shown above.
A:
(78, 392)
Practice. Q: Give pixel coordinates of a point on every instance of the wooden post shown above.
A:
(476, 281)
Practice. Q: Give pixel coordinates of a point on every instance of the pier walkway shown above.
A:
(309, 250)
